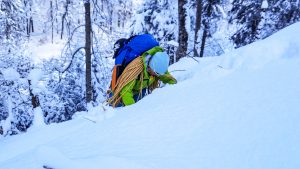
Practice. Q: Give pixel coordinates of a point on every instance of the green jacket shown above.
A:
(133, 87)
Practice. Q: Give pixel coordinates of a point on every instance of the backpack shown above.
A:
(127, 50)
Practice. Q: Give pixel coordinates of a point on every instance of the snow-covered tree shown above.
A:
(212, 14)
(278, 14)
(12, 24)
(259, 19)
(246, 15)
(207, 19)
(158, 18)
(16, 111)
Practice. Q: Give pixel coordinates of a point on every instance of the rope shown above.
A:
(154, 85)
(131, 72)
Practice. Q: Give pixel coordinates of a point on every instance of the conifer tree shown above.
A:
(159, 18)
(12, 23)
(246, 14)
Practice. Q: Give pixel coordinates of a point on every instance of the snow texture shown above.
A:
(265, 4)
(239, 110)
(10, 74)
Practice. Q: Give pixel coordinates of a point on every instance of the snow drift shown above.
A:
(240, 110)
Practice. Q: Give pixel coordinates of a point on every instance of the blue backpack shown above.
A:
(126, 50)
(134, 47)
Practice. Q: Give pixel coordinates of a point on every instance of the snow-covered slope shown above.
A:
(237, 111)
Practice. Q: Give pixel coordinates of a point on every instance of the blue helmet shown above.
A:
(159, 62)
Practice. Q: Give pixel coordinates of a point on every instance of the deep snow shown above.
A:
(240, 110)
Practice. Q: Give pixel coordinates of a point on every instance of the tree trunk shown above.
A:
(111, 20)
(63, 19)
(62, 25)
(198, 25)
(31, 24)
(31, 28)
(88, 50)
(27, 27)
(29, 21)
(183, 35)
(34, 100)
(52, 21)
(206, 27)
(56, 20)
(203, 42)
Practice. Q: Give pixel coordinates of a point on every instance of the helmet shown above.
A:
(118, 46)
(159, 62)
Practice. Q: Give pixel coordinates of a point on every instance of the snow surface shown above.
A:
(265, 4)
(38, 120)
(10, 74)
(39, 50)
(237, 111)
(35, 76)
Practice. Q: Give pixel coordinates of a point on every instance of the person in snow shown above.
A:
(140, 77)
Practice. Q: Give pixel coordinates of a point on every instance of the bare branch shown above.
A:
(72, 59)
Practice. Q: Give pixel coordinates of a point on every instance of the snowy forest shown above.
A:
(56, 55)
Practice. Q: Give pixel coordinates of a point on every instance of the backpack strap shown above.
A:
(114, 77)
(149, 60)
